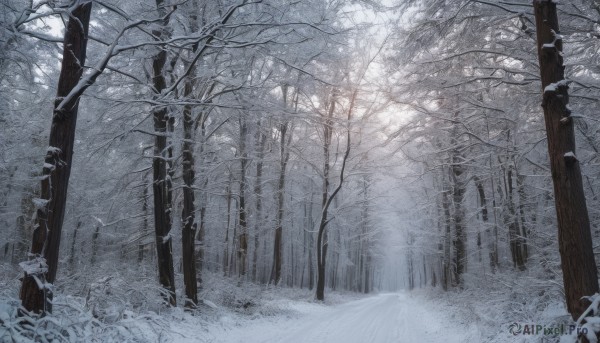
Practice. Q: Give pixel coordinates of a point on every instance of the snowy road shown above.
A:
(393, 318)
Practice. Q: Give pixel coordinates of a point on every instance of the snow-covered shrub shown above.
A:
(110, 298)
(243, 298)
(72, 322)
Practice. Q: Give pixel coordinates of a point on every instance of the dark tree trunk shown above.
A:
(515, 237)
(459, 240)
(364, 239)
(311, 268)
(322, 245)
(73, 245)
(242, 252)
(483, 211)
(234, 242)
(322, 242)
(492, 250)
(522, 216)
(327, 198)
(203, 202)
(188, 227)
(574, 237)
(188, 217)
(226, 248)
(161, 182)
(260, 147)
(283, 160)
(36, 294)
(144, 228)
(446, 258)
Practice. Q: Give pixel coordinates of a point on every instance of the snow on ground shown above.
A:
(383, 318)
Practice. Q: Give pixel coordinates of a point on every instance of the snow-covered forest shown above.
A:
(299, 170)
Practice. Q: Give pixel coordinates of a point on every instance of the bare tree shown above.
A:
(327, 198)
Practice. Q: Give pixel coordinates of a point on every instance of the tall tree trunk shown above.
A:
(305, 230)
(162, 192)
(144, 228)
(40, 272)
(409, 257)
(226, 248)
(459, 240)
(522, 216)
(243, 233)
(327, 198)
(73, 245)
(364, 238)
(260, 151)
(284, 156)
(234, 241)
(446, 258)
(311, 239)
(494, 260)
(368, 274)
(200, 253)
(188, 224)
(574, 237)
(483, 210)
(322, 242)
(515, 237)
(492, 250)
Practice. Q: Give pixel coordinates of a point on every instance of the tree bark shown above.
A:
(161, 180)
(260, 147)
(574, 237)
(327, 198)
(188, 223)
(459, 240)
(446, 258)
(144, 228)
(284, 156)
(515, 236)
(200, 236)
(322, 241)
(242, 252)
(226, 248)
(522, 215)
(73, 246)
(40, 273)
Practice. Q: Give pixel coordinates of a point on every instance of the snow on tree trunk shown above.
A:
(161, 183)
(36, 289)
(574, 238)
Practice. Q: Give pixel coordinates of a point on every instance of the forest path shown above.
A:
(383, 318)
